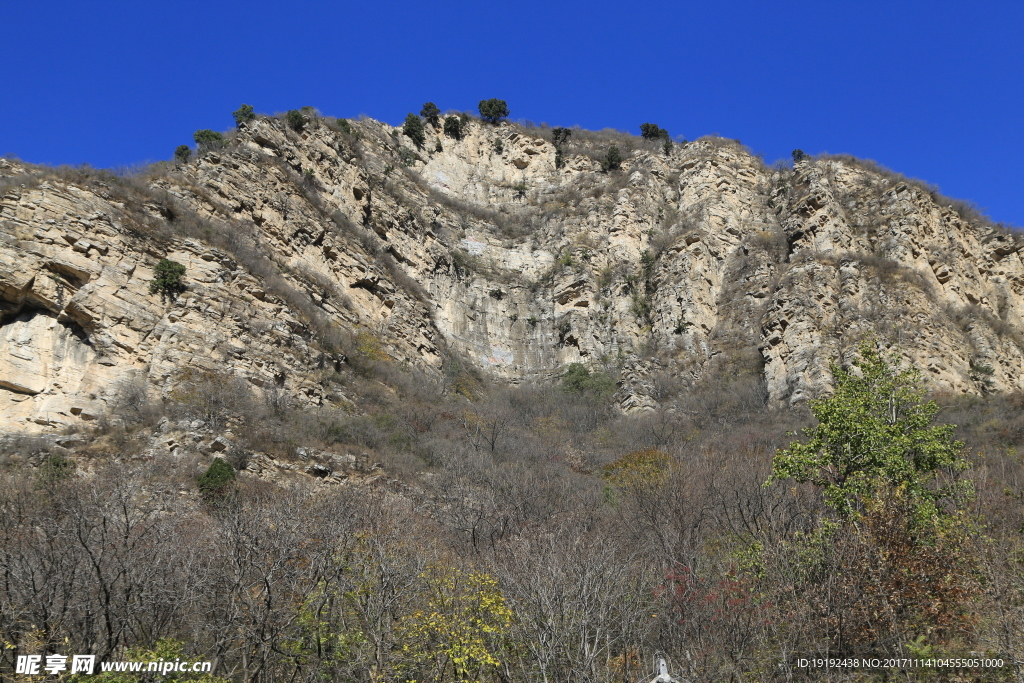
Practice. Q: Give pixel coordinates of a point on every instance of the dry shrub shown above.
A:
(213, 397)
(772, 242)
(967, 211)
(133, 405)
(891, 272)
(965, 317)
(879, 585)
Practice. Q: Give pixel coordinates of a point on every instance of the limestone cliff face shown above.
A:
(302, 248)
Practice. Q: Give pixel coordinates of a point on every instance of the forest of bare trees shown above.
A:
(529, 534)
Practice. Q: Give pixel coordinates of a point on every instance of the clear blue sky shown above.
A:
(933, 89)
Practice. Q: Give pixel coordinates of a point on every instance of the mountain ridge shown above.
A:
(308, 251)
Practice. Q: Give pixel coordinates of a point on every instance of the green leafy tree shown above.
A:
(432, 114)
(493, 110)
(215, 480)
(413, 128)
(612, 160)
(453, 127)
(874, 435)
(182, 154)
(167, 278)
(798, 155)
(579, 380)
(208, 139)
(896, 561)
(243, 115)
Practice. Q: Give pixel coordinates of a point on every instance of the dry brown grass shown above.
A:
(967, 211)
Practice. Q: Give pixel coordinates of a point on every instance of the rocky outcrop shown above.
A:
(304, 248)
(79, 321)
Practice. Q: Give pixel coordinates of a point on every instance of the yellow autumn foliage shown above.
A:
(457, 632)
(640, 468)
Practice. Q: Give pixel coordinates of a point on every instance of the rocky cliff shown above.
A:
(312, 249)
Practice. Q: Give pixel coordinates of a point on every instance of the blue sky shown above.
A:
(934, 89)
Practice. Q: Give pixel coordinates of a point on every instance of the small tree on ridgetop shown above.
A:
(453, 127)
(559, 136)
(182, 154)
(243, 115)
(413, 128)
(493, 110)
(798, 156)
(651, 131)
(612, 161)
(432, 114)
(208, 139)
(296, 120)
